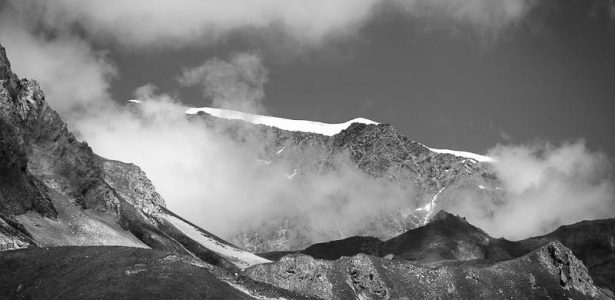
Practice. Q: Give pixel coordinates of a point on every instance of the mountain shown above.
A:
(445, 237)
(548, 272)
(54, 191)
(426, 179)
(74, 224)
(450, 258)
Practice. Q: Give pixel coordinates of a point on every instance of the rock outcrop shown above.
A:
(551, 271)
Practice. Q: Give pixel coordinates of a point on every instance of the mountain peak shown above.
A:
(4, 61)
(6, 74)
(443, 215)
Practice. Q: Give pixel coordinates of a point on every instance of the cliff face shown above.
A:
(55, 191)
(46, 172)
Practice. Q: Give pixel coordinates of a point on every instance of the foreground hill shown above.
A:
(113, 272)
(551, 271)
(449, 243)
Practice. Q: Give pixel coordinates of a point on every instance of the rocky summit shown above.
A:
(75, 225)
(428, 180)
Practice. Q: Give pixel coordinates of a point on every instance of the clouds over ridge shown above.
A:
(53, 41)
(173, 23)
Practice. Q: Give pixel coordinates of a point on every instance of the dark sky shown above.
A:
(551, 77)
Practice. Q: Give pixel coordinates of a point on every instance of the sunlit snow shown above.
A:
(237, 256)
(470, 155)
(281, 123)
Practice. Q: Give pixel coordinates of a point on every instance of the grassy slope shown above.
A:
(107, 273)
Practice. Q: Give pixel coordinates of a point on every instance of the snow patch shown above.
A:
(240, 258)
(327, 129)
(290, 176)
(248, 292)
(465, 154)
(281, 123)
(430, 207)
(263, 162)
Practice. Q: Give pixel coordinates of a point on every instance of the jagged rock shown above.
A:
(451, 238)
(551, 271)
(131, 183)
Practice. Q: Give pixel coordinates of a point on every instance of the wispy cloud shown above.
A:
(545, 186)
(236, 84)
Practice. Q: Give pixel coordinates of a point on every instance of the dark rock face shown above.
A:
(593, 242)
(40, 156)
(445, 237)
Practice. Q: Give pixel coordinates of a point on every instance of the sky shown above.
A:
(549, 76)
(451, 74)
(529, 82)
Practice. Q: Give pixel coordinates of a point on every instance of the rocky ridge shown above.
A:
(429, 179)
(551, 271)
(447, 258)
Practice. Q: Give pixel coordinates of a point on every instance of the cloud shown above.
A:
(72, 74)
(59, 44)
(482, 14)
(204, 22)
(236, 84)
(217, 181)
(54, 41)
(545, 186)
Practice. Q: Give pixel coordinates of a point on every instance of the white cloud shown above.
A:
(217, 182)
(190, 22)
(51, 41)
(546, 186)
(70, 72)
(236, 84)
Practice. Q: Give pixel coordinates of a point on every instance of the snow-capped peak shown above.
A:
(281, 123)
(308, 126)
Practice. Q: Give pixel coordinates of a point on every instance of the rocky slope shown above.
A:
(428, 180)
(447, 258)
(449, 237)
(551, 271)
(54, 191)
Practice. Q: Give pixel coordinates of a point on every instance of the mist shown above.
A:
(544, 186)
(137, 24)
(236, 84)
(222, 185)
(218, 183)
